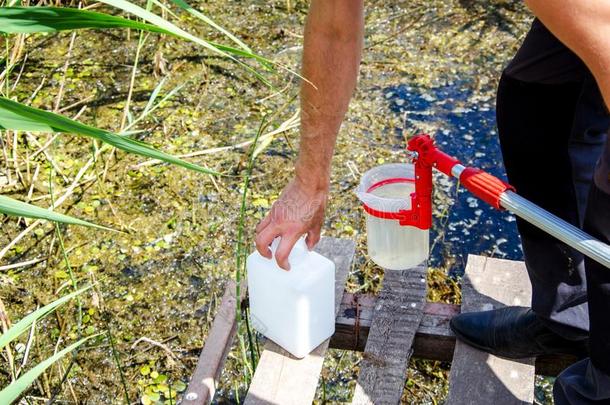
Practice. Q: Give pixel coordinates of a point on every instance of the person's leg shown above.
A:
(551, 128)
(591, 123)
(535, 124)
(588, 382)
(582, 384)
(550, 160)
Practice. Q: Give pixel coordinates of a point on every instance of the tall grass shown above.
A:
(249, 364)
(16, 388)
(17, 116)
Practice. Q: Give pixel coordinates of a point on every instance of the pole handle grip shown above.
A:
(485, 186)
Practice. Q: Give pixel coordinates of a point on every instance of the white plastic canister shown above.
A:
(296, 308)
(388, 189)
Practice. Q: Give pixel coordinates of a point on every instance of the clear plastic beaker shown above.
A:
(385, 192)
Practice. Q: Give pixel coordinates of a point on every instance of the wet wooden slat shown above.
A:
(203, 383)
(479, 377)
(279, 377)
(396, 317)
(433, 340)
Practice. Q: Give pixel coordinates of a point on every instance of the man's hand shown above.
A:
(331, 57)
(298, 211)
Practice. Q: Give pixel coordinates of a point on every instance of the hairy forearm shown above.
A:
(584, 27)
(331, 56)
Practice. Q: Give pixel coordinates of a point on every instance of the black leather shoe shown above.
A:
(514, 333)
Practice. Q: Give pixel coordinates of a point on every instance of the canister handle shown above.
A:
(297, 254)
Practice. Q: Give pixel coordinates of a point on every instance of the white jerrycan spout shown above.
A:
(296, 308)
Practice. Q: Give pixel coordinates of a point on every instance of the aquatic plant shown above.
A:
(18, 116)
(19, 385)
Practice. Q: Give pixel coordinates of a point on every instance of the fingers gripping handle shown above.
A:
(297, 254)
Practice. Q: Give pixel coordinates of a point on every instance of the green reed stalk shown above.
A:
(240, 255)
(8, 62)
(60, 238)
(80, 311)
(254, 351)
(79, 303)
(134, 71)
(117, 360)
(240, 258)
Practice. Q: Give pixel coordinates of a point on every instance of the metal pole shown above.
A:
(499, 194)
(551, 224)
(557, 227)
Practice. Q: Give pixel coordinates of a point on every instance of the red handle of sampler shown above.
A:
(483, 185)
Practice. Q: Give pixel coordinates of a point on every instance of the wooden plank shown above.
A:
(203, 383)
(396, 317)
(433, 340)
(477, 377)
(279, 377)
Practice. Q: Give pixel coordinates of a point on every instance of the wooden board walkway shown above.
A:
(433, 339)
(490, 284)
(203, 383)
(390, 328)
(397, 315)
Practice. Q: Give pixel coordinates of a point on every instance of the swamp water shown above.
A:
(463, 126)
(165, 278)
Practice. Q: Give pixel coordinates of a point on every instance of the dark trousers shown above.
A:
(552, 124)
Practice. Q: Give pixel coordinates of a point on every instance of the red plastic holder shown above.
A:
(482, 184)
(426, 156)
(420, 214)
(420, 210)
